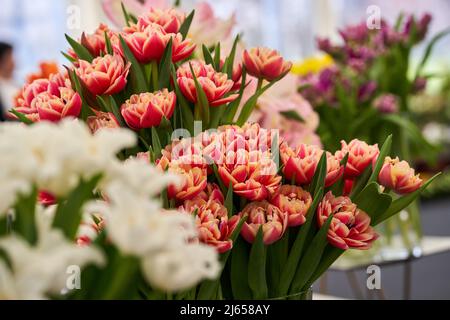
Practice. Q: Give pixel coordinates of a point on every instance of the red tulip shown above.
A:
(399, 176)
(360, 156)
(96, 42)
(216, 85)
(300, 164)
(147, 110)
(265, 63)
(350, 226)
(104, 75)
(55, 107)
(294, 201)
(262, 214)
(45, 198)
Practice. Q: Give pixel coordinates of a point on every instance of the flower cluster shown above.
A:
(241, 158)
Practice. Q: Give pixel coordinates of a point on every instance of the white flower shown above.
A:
(181, 268)
(41, 269)
(138, 176)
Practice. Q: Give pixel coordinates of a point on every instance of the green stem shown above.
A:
(124, 271)
(155, 75)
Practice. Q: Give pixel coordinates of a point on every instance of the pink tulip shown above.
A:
(262, 214)
(253, 174)
(49, 99)
(350, 226)
(216, 85)
(300, 164)
(212, 221)
(104, 75)
(147, 110)
(265, 63)
(55, 107)
(294, 201)
(102, 120)
(193, 182)
(96, 42)
(148, 44)
(169, 19)
(360, 156)
(399, 176)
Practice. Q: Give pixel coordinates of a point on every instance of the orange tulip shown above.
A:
(265, 63)
(294, 201)
(399, 176)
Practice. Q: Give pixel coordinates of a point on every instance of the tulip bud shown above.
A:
(262, 214)
(265, 63)
(147, 110)
(350, 226)
(294, 201)
(399, 176)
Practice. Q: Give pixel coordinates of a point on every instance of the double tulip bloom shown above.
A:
(104, 75)
(211, 216)
(360, 156)
(216, 85)
(147, 110)
(193, 182)
(262, 214)
(147, 42)
(294, 201)
(49, 99)
(96, 43)
(301, 164)
(265, 63)
(102, 120)
(399, 176)
(169, 19)
(350, 226)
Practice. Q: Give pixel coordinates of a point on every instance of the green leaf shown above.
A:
(372, 201)
(230, 58)
(156, 144)
(116, 111)
(297, 248)
(202, 100)
(68, 214)
(139, 83)
(207, 55)
(361, 182)
(219, 179)
(329, 256)
(229, 200)
(257, 267)
(239, 276)
(164, 69)
(429, 49)
(109, 48)
(21, 116)
(318, 181)
(217, 57)
(184, 28)
(292, 115)
(312, 257)
(402, 202)
(86, 111)
(385, 149)
(234, 105)
(25, 222)
(79, 49)
(277, 254)
(71, 59)
(186, 112)
(125, 14)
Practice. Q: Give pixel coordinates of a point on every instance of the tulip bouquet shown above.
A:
(280, 216)
(250, 215)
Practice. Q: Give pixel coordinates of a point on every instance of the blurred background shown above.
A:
(35, 30)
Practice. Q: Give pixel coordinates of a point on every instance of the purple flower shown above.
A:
(386, 103)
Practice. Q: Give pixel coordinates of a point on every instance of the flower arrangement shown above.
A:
(229, 203)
